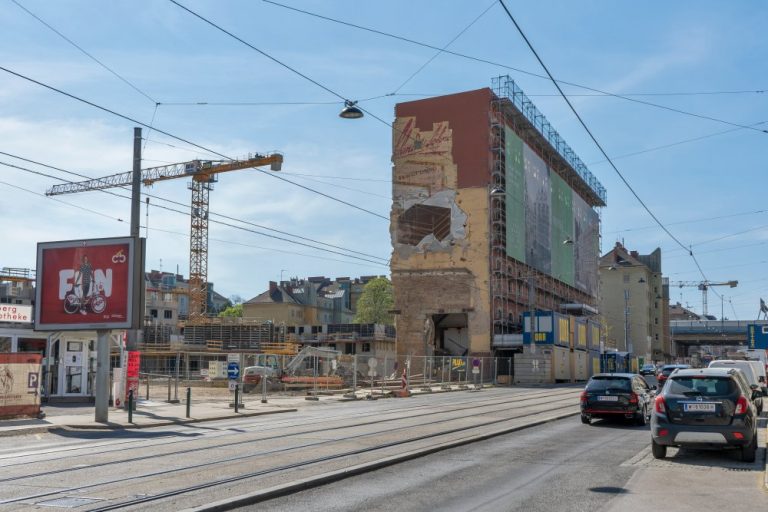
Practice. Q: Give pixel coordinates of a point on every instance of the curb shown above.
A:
(341, 474)
(120, 426)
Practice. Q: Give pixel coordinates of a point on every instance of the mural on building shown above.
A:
(424, 210)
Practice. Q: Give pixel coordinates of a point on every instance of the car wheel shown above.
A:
(659, 451)
(586, 419)
(749, 452)
(642, 419)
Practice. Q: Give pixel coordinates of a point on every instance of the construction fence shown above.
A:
(167, 377)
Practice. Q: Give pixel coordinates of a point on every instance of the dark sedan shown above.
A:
(708, 408)
(667, 369)
(616, 395)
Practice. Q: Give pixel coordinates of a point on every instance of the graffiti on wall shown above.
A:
(425, 216)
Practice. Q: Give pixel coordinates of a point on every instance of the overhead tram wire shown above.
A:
(691, 221)
(352, 252)
(442, 50)
(599, 146)
(512, 68)
(181, 139)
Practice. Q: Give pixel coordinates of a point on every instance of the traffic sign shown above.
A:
(476, 363)
(232, 384)
(372, 362)
(233, 371)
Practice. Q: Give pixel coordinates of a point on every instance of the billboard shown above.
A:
(542, 212)
(89, 284)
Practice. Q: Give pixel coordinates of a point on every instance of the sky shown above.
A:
(685, 135)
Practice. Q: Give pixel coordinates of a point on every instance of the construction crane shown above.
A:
(704, 286)
(204, 173)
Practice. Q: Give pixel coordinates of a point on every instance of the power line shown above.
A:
(599, 146)
(690, 221)
(525, 72)
(72, 96)
(421, 68)
(185, 213)
(97, 61)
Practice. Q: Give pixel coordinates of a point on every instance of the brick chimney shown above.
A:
(272, 287)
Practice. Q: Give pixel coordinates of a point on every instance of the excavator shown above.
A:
(295, 374)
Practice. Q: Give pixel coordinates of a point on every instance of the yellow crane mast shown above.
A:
(203, 173)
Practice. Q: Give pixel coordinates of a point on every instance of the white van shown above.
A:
(759, 368)
(748, 369)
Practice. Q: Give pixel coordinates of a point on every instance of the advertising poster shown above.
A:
(19, 384)
(84, 284)
(133, 361)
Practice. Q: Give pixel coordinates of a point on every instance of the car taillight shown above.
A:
(632, 398)
(583, 396)
(741, 405)
(659, 405)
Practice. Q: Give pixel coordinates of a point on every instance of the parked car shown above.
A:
(648, 369)
(749, 373)
(616, 395)
(663, 374)
(705, 408)
(759, 368)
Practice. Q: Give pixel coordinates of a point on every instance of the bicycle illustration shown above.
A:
(74, 302)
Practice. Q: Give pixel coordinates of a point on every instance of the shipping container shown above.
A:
(593, 335)
(580, 333)
(561, 363)
(594, 362)
(534, 365)
(561, 330)
(543, 327)
(581, 365)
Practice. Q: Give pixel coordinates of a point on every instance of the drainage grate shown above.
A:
(68, 502)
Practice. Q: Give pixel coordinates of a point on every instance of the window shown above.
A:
(349, 348)
(153, 313)
(168, 314)
(366, 347)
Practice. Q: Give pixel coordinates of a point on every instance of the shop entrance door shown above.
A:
(73, 371)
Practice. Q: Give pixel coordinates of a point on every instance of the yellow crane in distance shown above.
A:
(203, 173)
(704, 286)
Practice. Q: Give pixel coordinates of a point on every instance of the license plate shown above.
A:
(697, 407)
(608, 398)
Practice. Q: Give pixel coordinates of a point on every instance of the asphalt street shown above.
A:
(562, 466)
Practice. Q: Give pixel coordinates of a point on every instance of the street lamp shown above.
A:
(351, 110)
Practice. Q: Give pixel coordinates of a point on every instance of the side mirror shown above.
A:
(753, 387)
(654, 388)
(756, 394)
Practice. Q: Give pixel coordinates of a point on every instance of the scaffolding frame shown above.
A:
(515, 286)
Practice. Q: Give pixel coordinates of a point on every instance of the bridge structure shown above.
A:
(688, 334)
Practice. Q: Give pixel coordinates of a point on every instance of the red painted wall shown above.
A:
(467, 114)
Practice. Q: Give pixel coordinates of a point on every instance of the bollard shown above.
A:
(130, 406)
(237, 396)
(147, 388)
(169, 389)
(189, 400)
(264, 387)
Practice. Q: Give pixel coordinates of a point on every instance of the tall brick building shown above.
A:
(493, 215)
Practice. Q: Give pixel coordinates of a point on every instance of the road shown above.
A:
(558, 463)
(562, 466)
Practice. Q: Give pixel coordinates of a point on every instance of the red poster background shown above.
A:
(114, 257)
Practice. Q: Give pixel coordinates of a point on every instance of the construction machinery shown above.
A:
(204, 173)
(704, 286)
(292, 374)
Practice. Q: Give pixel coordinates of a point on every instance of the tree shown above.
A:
(375, 303)
(233, 311)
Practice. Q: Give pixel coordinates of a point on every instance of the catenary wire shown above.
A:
(213, 213)
(597, 143)
(442, 50)
(181, 139)
(486, 61)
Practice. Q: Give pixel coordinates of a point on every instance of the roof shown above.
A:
(625, 375)
(715, 372)
(277, 296)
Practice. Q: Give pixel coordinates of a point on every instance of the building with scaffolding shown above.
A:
(493, 216)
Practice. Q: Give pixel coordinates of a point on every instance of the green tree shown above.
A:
(236, 310)
(375, 303)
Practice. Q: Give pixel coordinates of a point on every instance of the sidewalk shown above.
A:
(150, 413)
(147, 414)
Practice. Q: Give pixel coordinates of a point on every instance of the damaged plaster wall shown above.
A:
(439, 265)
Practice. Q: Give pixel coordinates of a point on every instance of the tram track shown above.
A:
(496, 408)
(206, 434)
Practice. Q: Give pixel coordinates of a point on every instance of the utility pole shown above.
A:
(532, 305)
(133, 334)
(627, 339)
